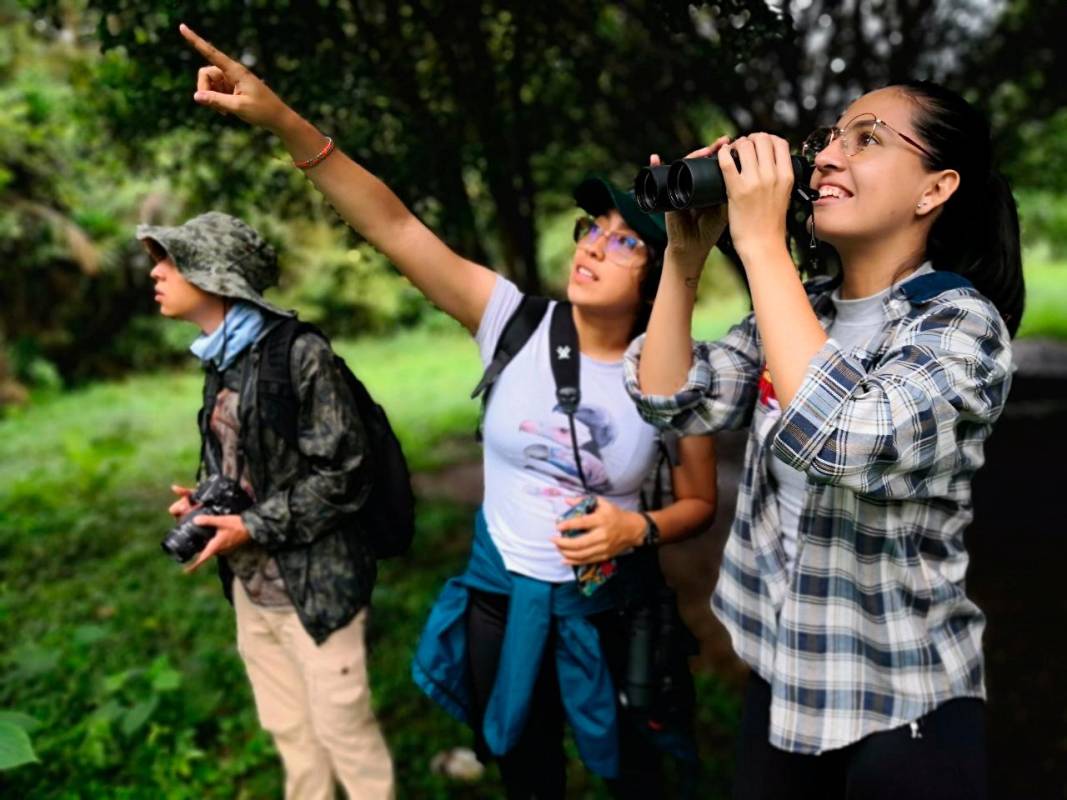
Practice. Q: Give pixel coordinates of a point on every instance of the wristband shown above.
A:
(316, 159)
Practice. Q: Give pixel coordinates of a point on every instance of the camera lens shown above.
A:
(186, 539)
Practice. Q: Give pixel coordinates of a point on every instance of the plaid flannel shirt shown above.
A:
(872, 628)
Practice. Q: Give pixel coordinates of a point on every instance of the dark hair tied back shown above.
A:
(647, 291)
(977, 232)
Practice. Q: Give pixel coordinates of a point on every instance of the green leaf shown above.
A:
(15, 747)
(90, 634)
(138, 715)
(33, 661)
(24, 721)
(166, 680)
(163, 676)
(104, 715)
(113, 683)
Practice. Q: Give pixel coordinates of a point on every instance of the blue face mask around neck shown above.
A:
(241, 326)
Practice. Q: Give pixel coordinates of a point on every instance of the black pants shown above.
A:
(535, 769)
(946, 760)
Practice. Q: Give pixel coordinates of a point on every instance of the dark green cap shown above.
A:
(596, 195)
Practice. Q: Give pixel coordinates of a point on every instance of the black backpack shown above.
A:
(388, 515)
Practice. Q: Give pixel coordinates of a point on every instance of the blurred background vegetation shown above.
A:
(482, 116)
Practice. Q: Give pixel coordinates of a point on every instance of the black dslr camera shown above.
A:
(216, 496)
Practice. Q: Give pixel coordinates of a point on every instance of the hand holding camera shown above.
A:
(212, 508)
(183, 505)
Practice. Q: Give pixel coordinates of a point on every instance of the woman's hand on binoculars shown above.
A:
(229, 87)
(758, 184)
(691, 233)
(608, 531)
(230, 533)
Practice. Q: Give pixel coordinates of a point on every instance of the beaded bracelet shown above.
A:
(316, 159)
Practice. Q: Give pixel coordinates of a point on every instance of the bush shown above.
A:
(1043, 220)
(345, 287)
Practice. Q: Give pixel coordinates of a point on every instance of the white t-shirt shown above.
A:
(529, 458)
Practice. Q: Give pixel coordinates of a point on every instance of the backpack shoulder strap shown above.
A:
(669, 444)
(274, 352)
(277, 400)
(517, 332)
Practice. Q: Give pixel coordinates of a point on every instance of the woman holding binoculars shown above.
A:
(868, 397)
(512, 646)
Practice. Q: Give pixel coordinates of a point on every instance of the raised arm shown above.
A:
(458, 286)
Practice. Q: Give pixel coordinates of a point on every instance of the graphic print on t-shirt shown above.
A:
(530, 469)
(551, 452)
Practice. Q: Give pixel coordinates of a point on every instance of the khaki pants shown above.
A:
(315, 702)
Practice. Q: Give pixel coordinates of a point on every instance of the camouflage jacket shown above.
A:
(306, 495)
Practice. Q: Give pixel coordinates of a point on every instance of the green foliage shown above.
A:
(15, 746)
(347, 290)
(481, 116)
(1046, 296)
(130, 666)
(1043, 220)
(477, 114)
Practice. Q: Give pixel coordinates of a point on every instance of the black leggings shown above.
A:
(946, 761)
(536, 769)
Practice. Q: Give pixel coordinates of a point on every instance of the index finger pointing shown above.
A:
(208, 50)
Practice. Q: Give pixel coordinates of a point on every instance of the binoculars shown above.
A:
(697, 183)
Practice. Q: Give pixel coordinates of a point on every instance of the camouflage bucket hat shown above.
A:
(220, 254)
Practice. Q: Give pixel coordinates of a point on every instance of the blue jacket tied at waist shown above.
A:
(440, 668)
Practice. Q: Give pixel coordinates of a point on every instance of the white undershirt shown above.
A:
(855, 323)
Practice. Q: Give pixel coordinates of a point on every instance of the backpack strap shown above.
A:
(565, 355)
(517, 332)
(670, 457)
(277, 400)
(208, 456)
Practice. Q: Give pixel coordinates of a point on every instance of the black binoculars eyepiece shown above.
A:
(697, 183)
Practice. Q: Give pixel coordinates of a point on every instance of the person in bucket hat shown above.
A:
(220, 254)
(295, 565)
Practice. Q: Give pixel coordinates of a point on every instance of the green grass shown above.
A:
(1046, 296)
(129, 666)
